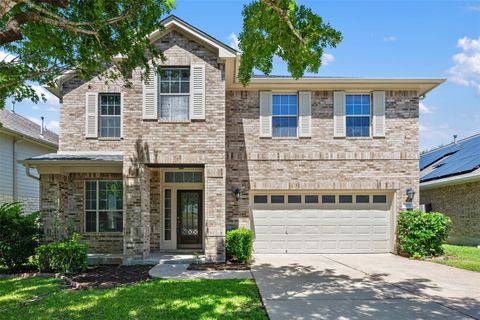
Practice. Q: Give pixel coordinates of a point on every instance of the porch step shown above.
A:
(180, 259)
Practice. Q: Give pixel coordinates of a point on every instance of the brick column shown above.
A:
(136, 218)
(53, 205)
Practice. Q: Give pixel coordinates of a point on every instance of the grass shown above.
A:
(45, 298)
(462, 257)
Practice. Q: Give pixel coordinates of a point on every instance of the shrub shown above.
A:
(68, 256)
(18, 235)
(421, 234)
(239, 244)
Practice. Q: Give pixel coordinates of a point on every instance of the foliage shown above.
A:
(68, 256)
(18, 235)
(44, 299)
(463, 257)
(46, 38)
(239, 244)
(422, 234)
(283, 28)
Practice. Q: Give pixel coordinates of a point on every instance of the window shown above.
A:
(260, 199)
(168, 214)
(103, 206)
(358, 115)
(362, 199)
(174, 93)
(311, 199)
(379, 199)
(345, 199)
(328, 199)
(277, 199)
(284, 115)
(110, 115)
(294, 199)
(183, 177)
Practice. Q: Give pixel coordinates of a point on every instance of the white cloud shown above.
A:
(35, 107)
(234, 42)
(5, 56)
(474, 7)
(389, 38)
(51, 125)
(424, 109)
(423, 128)
(327, 58)
(466, 69)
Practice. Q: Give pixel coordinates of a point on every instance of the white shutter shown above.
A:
(197, 91)
(265, 114)
(91, 114)
(339, 123)
(304, 114)
(378, 114)
(150, 95)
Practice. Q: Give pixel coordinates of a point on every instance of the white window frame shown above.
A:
(160, 94)
(100, 114)
(284, 93)
(370, 130)
(97, 210)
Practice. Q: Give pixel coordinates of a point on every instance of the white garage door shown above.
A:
(339, 227)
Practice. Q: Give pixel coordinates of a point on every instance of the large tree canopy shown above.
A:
(44, 38)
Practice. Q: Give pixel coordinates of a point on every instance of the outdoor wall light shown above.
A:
(236, 193)
(410, 194)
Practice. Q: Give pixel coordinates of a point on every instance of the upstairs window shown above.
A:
(110, 117)
(358, 111)
(284, 115)
(174, 94)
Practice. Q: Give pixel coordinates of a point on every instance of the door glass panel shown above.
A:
(189, 211)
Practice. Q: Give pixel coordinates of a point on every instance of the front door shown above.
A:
(189, 218)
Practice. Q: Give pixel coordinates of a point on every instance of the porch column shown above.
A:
(136, 218)
(53, 205)
(215, 213)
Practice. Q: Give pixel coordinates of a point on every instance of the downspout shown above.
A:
(15, 173)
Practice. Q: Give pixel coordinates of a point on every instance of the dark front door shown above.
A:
(189, 218)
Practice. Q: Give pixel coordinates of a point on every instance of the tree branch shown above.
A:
(284, 15)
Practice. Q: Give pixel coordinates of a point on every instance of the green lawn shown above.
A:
(45, 298)
(461, 257)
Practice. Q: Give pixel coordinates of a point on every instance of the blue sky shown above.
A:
(380, 39)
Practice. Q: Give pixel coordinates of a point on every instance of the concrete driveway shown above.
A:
(364, 286)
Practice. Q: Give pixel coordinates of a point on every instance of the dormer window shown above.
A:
(174, 94)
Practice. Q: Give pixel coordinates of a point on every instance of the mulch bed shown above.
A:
(110, 276)
(218, 266)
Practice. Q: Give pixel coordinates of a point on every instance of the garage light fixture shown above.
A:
(236, 193)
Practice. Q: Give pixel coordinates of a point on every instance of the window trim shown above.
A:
(370, 124)
(284, 93)
(97, 219)
(160, 94)
(99, 111)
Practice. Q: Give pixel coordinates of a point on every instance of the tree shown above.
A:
(47, 37)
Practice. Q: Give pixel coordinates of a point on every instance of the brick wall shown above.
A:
(462, 204)
(319, 162)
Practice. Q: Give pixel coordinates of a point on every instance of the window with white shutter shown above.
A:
(305, 114)
(150, 96)
(339, 114)
(265, 114)
(379, 114)
(91, 115)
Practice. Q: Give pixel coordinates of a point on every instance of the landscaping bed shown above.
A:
(109, 276)
(227, 266)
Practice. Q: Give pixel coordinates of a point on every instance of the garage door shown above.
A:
(345, 223)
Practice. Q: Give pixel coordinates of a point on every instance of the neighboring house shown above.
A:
(21, 138)
(313, 165)
(450, 183)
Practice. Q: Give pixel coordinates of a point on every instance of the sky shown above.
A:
(395, 38)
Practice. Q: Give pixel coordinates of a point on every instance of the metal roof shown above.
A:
(76, 157)
(454, 159)
(15, 123)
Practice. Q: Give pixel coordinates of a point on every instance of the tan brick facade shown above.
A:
(228, 148)
(462, 204)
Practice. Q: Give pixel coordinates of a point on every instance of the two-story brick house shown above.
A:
(313, 165)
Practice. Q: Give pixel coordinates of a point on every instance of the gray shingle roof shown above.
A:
(77, 157)
(16, 123)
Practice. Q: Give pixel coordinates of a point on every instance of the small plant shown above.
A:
(68, 256)
(422, 234)
(18, 235)
(239, 244)
(196, 254)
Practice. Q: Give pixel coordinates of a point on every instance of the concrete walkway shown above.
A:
(180, 272)
(380, 286)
